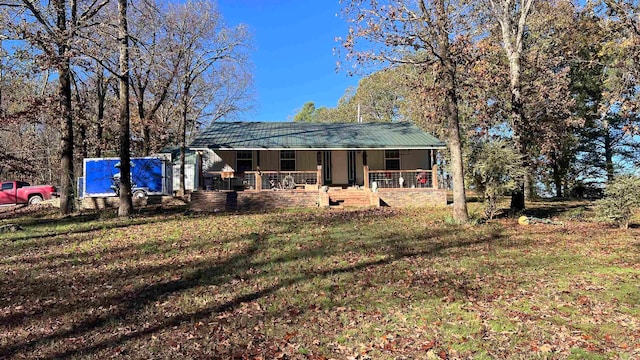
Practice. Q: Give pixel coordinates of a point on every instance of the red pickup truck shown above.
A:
(20, 192)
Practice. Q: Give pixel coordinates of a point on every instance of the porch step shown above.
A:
(352, 198)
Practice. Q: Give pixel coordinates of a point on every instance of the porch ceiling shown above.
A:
(314, 136)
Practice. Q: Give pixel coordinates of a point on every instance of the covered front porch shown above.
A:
(262, 170)
(273, 165)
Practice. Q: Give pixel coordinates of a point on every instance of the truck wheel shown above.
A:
(35, 199)
(139, 194)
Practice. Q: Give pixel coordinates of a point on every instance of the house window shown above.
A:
(392, 159)
(244, 161)
(287, 160)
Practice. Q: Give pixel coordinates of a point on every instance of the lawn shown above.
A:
(318, 284)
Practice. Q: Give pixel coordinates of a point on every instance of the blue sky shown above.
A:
(293, 56)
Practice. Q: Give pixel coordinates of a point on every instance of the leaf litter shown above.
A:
(352, 284)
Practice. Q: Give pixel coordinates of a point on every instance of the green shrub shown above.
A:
(621, 200)
(493, 167)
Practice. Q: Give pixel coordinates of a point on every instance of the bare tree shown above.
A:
(208, 47)
(423, 34)
(155, 60)
(52, 28)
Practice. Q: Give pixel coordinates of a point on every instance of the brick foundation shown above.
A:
(209, 201)
(252, 200)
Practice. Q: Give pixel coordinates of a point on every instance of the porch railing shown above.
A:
(408, 179)
(219, 182)
(279, 180)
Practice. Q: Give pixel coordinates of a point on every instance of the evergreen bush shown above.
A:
(493, 167)
(621, 200)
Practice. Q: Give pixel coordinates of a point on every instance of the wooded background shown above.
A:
(551, 84)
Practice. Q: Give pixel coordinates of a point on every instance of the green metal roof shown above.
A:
(311, 136)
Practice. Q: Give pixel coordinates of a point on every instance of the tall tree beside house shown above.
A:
(101, 46)
(212, 79)
(53, 27)
(603, 82)
(126, 204)
(391, 32)
(556, 49)
(550, 108)
(511, 16)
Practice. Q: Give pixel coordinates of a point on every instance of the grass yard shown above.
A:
(318, 284)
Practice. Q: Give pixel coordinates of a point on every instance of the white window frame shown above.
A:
(238, 158)
(386, 158)
(288, 159)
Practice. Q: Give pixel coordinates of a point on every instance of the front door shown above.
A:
(351, 167)
(326, 168)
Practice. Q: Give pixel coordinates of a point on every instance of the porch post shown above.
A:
(200, 173)
(259, 181)
(319, 179)
(366, 176)
(434, 176)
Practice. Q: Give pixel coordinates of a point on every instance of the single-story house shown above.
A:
(320, 158)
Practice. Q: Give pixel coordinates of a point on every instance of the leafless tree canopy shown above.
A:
(59, 81)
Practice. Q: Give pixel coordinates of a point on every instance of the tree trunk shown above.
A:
(460, 212)
(66, 145)
(126, 203)
(146, 131)
(557, 176)
(518, 121)
(146, 136)
(183, 143)
(66, 120)
(102, 94)
(608, 151)
(512, 21)
(84, 151)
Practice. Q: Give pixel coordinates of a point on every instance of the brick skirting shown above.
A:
(210, 201)
(252, 200)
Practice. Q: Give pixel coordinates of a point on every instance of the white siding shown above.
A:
(212, 161)
(189, 177)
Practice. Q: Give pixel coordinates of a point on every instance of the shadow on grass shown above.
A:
(96, 220)
(553, 211)
(126, 304)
